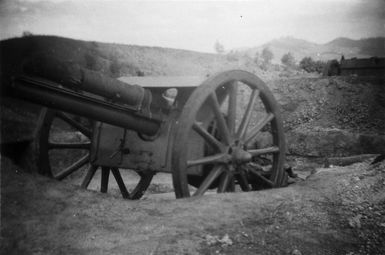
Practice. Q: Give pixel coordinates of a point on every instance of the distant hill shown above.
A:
(299, 48)
(368, 47)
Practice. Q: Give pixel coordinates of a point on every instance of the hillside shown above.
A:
(125, 60)
(363, 48)
(367, 47)
(113, 59)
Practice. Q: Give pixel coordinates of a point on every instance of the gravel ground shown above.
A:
(337, 210)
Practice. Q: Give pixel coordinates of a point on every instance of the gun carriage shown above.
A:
(222, 132)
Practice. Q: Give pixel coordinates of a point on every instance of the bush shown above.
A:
(319, 66)
(115, 67)
(288, 60)
(267, 56)
(332, 68)
(27, 33)
(233, 56)
(219, 48)
(257, 58)
(309, 65)
(90, 62)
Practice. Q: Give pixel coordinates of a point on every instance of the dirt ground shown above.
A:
(336, 210)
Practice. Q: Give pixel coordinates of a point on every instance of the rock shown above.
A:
(296, 252)
(332, 142)
(344, 161)
(210, 239)
(264, 139)
(355, 222)
(378, 159)
(225, 241)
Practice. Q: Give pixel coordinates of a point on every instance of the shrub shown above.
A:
(332, 68)
(267, 55)
(288, 60)
(309, 65)
(90, 62)
(115, 67)
(232, 56)
(27, 33)
(257, 58)
(219, 48)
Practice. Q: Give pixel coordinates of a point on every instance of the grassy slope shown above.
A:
(128, 59)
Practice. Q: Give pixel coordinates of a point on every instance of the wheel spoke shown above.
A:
(214, 173)
(247, 115)
(85, 145)
(243, 182)
(256, 130)
(260, 176)
(87, 132)
(211, 140)
(119, 181)
(89, 175)
(72, 168)
(224, 182)
(221, 122)
(232, 107)
(231, 186)
(268, 150)
(104, 180)
(145, 180)
(217, 158)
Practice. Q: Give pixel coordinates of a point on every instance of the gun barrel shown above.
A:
(44, 93)
(72, 76)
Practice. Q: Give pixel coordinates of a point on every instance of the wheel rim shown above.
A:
(64, 144)
(244, 111)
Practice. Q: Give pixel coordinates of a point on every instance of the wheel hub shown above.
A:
(238, 155)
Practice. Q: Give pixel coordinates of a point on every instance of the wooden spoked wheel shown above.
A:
(63, 147)
(229, 137)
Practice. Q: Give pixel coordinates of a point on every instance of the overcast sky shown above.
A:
(194, 25)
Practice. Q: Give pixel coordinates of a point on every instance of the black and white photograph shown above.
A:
(162, 127)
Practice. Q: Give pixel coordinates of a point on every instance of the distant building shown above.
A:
(363, 66)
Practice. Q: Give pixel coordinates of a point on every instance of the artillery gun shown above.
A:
(223, 132)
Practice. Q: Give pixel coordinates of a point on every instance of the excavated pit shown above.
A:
(327, 210)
